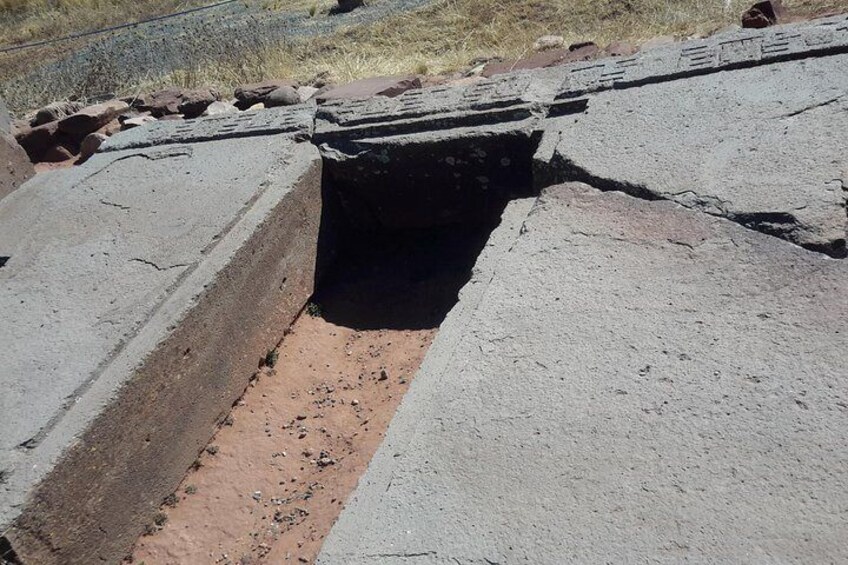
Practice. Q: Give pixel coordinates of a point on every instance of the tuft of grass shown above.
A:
(271, 358)
(313, 309)
(160, 518)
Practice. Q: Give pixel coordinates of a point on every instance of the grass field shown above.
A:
(440, 38)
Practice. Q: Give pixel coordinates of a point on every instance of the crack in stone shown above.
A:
(404, 555)
(157, 267)
(812, 107)
(776, 224)
(116, 205)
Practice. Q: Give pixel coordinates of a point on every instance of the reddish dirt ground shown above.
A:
(274, 479)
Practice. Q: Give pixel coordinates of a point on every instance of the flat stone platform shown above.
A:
(623, 381)
(139, 292)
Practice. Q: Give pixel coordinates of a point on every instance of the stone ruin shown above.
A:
(647, 364)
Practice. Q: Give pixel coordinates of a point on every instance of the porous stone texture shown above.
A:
(15, 166)
(56, 111)
(250, 94)
(91, 118)
(622, 381)
(283, 96)
(219, 107)
(545, 58)
(194, 102)
(91, 144)
(756, 146)
(366, 88)
(139, 292)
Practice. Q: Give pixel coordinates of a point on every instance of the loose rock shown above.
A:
(219, 107)
(15, 166)
(377, 86)
(252, 94)
(36, 141)
(160, 103)
(138, 121)
(283, 96)
(660, 41)
(55, 111)
(577, 52)
(764, 14)
(549, 42)
(194, 102)
(91, 144)
(57, 154)
(307, 92)
(91, 118)
(621, 49)
(345, 6)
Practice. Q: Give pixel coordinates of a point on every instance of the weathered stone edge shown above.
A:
(204, 297)
(510, 97)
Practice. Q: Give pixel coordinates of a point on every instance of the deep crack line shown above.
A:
(560, 169)
(812, 107)
(157, 267)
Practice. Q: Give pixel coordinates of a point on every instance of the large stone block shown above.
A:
(15, 166)
(762, 146)
(622, 381)
(139, 292)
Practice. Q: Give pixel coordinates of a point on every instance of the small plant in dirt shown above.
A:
(160, 518)
(212, 450)
(190, 489)
(171, 500)
(271, 358)
(313, 309)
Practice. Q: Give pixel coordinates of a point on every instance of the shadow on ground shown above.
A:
(400, 280)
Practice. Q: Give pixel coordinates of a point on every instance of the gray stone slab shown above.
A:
(763, 146)
(15, 166)
(622, 381)
(738, 49)
(291, 120)
(500, 100)
(520, 96)
(140, 290)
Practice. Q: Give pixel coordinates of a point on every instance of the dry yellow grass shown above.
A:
(449, 34)
(32, 20)
(443, 37)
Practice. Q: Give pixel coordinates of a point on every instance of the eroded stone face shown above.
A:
(15, 166)
(757, 146)
(627, 380)
(138, 291)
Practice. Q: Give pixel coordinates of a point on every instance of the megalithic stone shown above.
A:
(15, 166)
